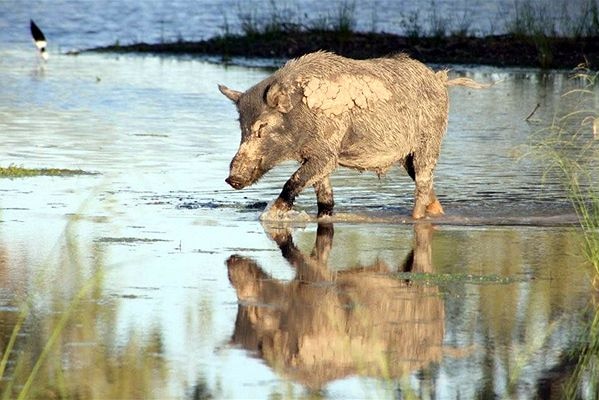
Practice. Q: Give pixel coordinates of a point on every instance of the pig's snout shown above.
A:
(244, 170)
(235, 182)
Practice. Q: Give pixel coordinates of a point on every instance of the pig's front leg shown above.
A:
(314, 171)
(324, 197)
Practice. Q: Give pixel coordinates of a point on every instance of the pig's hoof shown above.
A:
(325, 210)
(418, 215)
(280, 206)
(434, 208)
(419, 212)
(325, 214)
(280, 212)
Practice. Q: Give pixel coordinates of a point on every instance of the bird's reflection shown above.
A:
(324, 325)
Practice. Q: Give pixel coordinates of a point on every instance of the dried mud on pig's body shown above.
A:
(325, 110)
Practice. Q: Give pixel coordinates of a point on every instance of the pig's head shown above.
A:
(266, 137)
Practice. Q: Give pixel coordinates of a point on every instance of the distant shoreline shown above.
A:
(496, 50)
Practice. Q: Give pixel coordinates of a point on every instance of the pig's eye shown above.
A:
(258, 128)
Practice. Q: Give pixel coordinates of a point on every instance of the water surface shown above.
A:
(179, 291)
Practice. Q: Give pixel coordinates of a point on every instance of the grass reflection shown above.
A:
(59, 339)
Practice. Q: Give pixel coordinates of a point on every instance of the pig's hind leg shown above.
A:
(426, 201)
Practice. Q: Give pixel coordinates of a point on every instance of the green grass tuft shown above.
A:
(440, 279)
(569, 146)
(13, 171)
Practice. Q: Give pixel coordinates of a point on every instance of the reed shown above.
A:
(530, 19)
(285, 19)
(570, 147)
(584, 382)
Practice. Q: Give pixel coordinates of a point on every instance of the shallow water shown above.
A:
(179, 291)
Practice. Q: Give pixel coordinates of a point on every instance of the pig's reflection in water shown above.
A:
(325, 325)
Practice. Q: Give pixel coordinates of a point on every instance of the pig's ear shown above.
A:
(278, 97)
(231, 94)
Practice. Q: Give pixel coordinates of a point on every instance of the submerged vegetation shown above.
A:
(441, 279)
(529, 35)
(13, 171)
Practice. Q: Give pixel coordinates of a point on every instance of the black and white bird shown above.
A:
(39, 39)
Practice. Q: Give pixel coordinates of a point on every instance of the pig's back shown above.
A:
(415, 113)
(388, 106)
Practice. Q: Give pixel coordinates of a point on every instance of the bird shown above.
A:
(39, 39)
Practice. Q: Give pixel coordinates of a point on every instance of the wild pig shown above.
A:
(324, 110)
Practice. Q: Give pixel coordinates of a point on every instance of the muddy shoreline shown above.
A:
(498, 50)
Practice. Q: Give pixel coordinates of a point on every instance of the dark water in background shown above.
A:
(79, 24)
(189, 295)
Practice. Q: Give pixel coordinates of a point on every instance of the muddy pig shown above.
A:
(324, 110)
